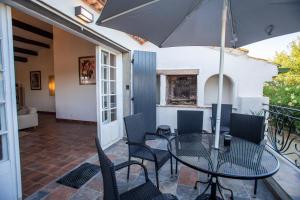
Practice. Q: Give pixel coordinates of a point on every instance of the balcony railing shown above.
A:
(283, 131)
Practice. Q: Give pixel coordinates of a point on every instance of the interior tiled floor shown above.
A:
(180, 185)
(52, 149)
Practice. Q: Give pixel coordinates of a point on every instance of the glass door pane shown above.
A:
(1, 54)
(105, 60)
(1, 154)
(3, 127)
(112, 60)
(109, 87)
(1, 87)
(3, 148)
(113, 73)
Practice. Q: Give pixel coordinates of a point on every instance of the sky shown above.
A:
(266, 49)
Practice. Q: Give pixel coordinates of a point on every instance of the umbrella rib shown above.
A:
(233, 32)
(180, 22)
(129, 11)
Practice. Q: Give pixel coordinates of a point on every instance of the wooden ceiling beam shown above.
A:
(31, 42)
(32, 29)
(20, 59)
(25, 51)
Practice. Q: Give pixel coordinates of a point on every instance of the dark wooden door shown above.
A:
(144, 87)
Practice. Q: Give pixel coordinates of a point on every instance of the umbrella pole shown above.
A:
(221, 73)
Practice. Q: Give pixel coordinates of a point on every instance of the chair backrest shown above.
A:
(108, 173)
(189, 121)
(248, 127)
(226, 111)
(135, 129)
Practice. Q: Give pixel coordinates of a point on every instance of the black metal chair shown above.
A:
(136, 136)
(146, 191)
(250, 128)
(226, 111)
(189, 121)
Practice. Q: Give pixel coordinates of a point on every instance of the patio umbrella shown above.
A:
(224, 23)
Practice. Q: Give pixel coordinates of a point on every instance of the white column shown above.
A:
(200, 91)
(163, 89)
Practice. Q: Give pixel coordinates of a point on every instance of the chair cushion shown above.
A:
(146, 191)
(161, 155)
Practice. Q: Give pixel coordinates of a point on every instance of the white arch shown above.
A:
(211, 90)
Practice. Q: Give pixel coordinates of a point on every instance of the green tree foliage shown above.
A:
(285, 88)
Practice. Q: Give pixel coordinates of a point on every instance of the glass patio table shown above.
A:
(240, 160)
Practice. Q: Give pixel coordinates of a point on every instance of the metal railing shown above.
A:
(283, 131)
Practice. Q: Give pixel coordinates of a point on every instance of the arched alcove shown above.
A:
(211, 90)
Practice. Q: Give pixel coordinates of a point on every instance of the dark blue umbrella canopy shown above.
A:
(225, 23)
(169, 23)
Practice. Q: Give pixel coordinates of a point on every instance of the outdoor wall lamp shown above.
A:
(51, 86)
(84, 14)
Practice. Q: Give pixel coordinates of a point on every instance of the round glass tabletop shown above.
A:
(241, 160)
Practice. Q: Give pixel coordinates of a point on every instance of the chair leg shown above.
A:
(156, 174)
(142, 161)
(171, 160)
(128, 170)
(255, 187)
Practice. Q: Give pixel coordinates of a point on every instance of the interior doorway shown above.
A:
(55, 73)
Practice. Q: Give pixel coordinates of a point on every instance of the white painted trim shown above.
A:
(163, 89)
(98, 91)
(119, 95)
(10, 99)
(13, 108)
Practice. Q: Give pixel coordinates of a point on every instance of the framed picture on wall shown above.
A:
(87, 70)
(35, 80)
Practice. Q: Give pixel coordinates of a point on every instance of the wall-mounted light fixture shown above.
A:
(84, 14)
(51, 86)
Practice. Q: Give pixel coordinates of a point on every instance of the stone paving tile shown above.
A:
(96, 183)
(38, 195)
(61, 192)
(85, 193)
(187, 176)
(181, 184)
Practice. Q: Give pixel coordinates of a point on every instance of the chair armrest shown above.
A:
(157, 135)
(145, 147)
(205, 132)
(128, 163)
(227, 133)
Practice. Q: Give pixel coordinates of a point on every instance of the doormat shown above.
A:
(79, 176)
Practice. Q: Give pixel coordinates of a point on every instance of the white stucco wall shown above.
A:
(39, 99)
(73, 101)
(212, 85)
(246, 74)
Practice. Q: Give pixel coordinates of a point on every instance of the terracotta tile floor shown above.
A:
(52, 149)
(180, 185)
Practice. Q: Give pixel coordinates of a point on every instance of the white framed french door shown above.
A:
(110, 98)
(10, 181)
